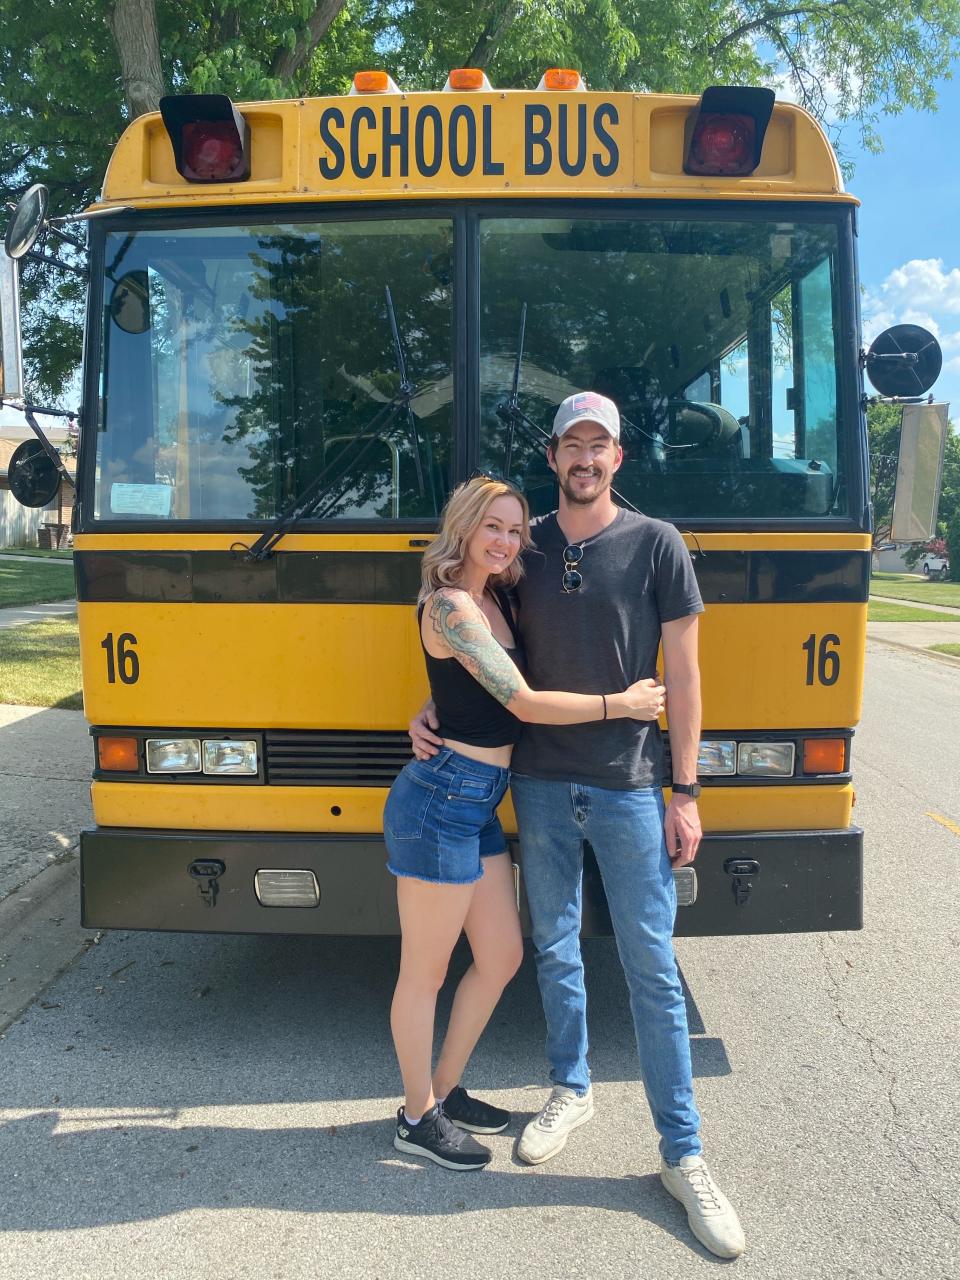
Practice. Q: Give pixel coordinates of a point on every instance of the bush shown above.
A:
(953, 548)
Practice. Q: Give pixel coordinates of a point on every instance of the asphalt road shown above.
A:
(177, 1106)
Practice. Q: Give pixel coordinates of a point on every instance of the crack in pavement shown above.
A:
(891, 1130)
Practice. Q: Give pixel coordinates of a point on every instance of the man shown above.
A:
(603, 587)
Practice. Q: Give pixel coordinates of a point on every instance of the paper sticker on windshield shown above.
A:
(141, 499)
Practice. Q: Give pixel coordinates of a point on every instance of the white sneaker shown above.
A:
(713, 1219)
(548, 1133)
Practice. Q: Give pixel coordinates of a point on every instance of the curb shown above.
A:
(947, 658)
(42, 935)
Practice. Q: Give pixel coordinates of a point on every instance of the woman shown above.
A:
(445, 843)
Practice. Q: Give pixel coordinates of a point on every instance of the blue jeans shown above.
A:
(440, 820)
(625, 831)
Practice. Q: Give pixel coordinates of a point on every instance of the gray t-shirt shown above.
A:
(637, 574)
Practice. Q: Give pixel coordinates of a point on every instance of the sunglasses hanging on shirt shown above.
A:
(572, 577)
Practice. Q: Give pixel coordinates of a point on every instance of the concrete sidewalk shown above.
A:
(918, 604)
(46, 758)
(12, 555)
(918, 636)
(20, 615)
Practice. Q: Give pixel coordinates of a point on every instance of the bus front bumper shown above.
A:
(207, 882)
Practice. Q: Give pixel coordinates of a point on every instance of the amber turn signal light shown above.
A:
(119, 755)
(824, 755)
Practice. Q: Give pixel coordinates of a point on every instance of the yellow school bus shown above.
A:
(305, 326)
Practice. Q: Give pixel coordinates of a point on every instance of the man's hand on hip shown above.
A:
(682, 829)
(422, 732)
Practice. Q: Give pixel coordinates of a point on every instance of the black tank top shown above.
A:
(467, 713)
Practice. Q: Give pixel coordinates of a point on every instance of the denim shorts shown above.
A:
(440, 818)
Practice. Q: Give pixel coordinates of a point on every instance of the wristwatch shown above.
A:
(687, 789)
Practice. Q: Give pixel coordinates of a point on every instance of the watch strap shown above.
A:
(687, 788)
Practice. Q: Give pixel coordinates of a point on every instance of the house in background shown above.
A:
(33, 526)
(888, 558)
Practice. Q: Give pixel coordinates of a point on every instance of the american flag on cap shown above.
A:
(587, 406)
(587, 400)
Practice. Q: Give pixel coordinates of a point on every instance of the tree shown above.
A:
(75, 71)
(883, 427)
(134, 27)
(953, 548)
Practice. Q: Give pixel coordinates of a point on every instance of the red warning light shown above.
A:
(723, 145)
(212, 151)
(209, 136)
(724, 133)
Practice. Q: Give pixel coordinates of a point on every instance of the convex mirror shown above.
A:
(27, 221)
(904, 361)
(33, 475)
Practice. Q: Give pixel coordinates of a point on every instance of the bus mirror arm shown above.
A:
(49, 449)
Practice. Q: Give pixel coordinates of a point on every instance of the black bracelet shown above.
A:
(604, 697)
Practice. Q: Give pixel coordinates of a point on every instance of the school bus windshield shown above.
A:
(241, 361)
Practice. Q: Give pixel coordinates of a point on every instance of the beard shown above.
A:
(577, 498)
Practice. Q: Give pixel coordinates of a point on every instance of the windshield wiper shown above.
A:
(317, 500)
(405, 393)
(510, 413)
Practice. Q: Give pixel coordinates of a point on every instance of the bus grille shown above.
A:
(329, 758)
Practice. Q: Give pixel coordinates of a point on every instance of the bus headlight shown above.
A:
(173, 755)
(229, 755)
(766, 759)
(717, 758)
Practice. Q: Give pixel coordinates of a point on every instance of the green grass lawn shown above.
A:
(908, 586)
(953, 649)
(25, 583)
(38, 552)
(40, 664)
(880, 611)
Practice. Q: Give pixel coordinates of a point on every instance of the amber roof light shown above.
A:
(563, 80)
(466, 80)
(373, 82)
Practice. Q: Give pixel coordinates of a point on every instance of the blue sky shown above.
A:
(910, 229)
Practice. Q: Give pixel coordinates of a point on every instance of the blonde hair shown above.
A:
(466, 507)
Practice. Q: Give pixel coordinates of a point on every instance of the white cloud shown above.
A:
(922, 284)
(926, 293)
(922, 319)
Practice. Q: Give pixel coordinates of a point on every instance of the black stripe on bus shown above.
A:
(384, 577)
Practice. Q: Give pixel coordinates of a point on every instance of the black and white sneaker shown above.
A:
(441, 1141)
(472, 1114)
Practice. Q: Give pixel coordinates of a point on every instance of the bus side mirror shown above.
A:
(923, 435)
(11, 352)
(32, 474)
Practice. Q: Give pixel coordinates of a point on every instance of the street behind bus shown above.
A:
(191, 1106)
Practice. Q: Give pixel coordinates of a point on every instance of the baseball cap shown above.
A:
(587, 406)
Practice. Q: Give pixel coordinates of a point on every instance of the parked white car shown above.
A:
(932, 566)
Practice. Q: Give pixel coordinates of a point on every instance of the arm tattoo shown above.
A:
(474, 647)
